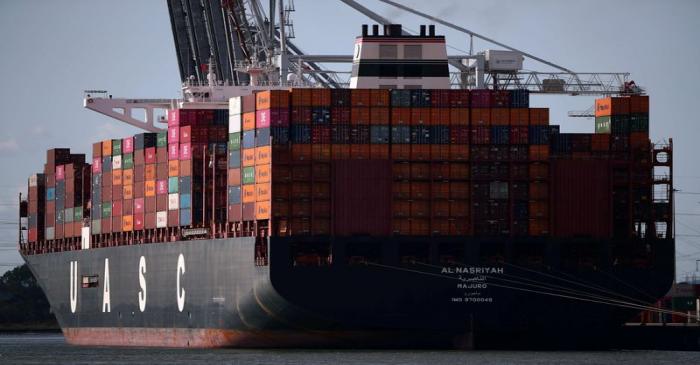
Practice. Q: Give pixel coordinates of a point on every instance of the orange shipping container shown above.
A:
(107, 147)
(420, 116)
(301, 208)
(459, 152)
(420, 227)
(420, 171)
(440, 152)
(128, 191)
(150, 172)
(401, 190)
(539, 116)
(248, 194)
(420, 208)
(262, 210)
(128, 177)
(539, 209)
(440, 116)
(639, 104)
(440, 190)
(262, 192)
(263, 155)
(150, 188)
(401, 226)
(301, 152)
(340, 151)
(640, 140)
(248, 121)
(320, 190)
(359, 151)
(538, 227)
(379, 97)
(539, 171)
(271, 99)
(500, 116)
(361, 97)
(420, 190)
(127, 223)
(400, 116)
(299, 226)
(441, 208)
(301, 190)
(321, 152)
(459, 116)
(116, 177)
(481, 117)
(359, 116)
(379, 151)
(459, 171)
(539, 153)
(612, 106)
(262, 174)
(379, 116)
(440, 227)
(248, 157)
(280, 208)
(600, 142)
(539, 191)
(401, 208)
(173, 168)
(459, 227)
(401, 152)
(320, 97)
(459, 190)
(280, 191)
(301, 97)
(420, 152)
(459, 208)
(519, 117)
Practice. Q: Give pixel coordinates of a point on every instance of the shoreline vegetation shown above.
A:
(23, 305)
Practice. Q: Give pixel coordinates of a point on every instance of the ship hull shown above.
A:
(210, 293)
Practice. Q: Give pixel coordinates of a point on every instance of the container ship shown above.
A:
(397, 212)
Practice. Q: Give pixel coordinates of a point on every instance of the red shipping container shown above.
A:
(519, 135)
(60, 172)
(481, 135)
(379, 116)
(150, 155)
(481, 117)
(139, 221)
(400, 116)
(173, 135)
(420, 116)
(639, 104)
(173, 151)
(138, 205)
(362, 197)
(459, 116)
(481, 98)
(150, 220)
(501, 99)
(117, 208)
(459, 135)
(128, 145)
(185, 151)
(539, 116)
(340, 115)
(96, 165)
(360, 97)
(359, 116)
(301, 115)
(185, 134)
(321, 134)
(161, 186)
(582, 198)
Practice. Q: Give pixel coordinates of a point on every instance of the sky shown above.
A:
(50, 51)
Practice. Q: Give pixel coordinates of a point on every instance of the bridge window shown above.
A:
(311, 254)
(411, 253)
(388, 51)
(361, 253)
(413, 51)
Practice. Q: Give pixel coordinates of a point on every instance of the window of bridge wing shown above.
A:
(529, 254)
(576, 255)
(451, 253)
(90, 281)
(491, 253)
(311, 254)
(412, 253)
(363, 253)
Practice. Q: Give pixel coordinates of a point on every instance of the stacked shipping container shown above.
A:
(355, 162)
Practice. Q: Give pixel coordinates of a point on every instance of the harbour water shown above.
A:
(51, 349)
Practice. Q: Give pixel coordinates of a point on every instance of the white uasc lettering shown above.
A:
(106, 308)
(142, 283)
(180, 290)
(73, 286)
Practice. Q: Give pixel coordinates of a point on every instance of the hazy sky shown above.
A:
(50, 51)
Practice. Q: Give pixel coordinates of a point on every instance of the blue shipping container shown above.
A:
(262, 138)
(520, 98)
(420, 135)
(50, 193)
(340, 134)
(320, 115)
(440, 134)
(401, 97)
(539, 134)
(185, 201)
(401, 134)
(301, 133)
(248, 139)
(234, 159)
(379, 134)
(280, 135)
(500, 135)
(185, 217)
(234, 194)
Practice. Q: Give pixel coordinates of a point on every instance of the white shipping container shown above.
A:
(33, 180)
(49, 233)
(234, 123)
(161, 219)
(85, 238)
(116, 162)
(500, 60)
(173, 201)
(235, 105)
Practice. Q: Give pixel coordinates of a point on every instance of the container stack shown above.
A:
(66, 194)
(36, 207)
(197, 141)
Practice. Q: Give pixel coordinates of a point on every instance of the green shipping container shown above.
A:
(162, 139)
(172, 184)
(116, 147)
(128, 161)
(616, 124)
(106, 209)
(77, 214)
(639, 122)
(96, 226)
(234, 141)
(248, 175)
(68, 215)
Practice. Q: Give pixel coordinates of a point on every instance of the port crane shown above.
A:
(227, 48)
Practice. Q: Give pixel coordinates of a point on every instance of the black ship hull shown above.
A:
(485, 293)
